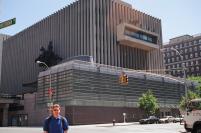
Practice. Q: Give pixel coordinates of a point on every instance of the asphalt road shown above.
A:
(107, 128)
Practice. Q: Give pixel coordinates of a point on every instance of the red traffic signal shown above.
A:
(50, 91)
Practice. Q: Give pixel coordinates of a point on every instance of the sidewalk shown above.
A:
(109, 124)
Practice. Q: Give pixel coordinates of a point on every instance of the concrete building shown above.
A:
(190, 48)
(2, 38)
(116, 36)
(4, 101)
(86, 27)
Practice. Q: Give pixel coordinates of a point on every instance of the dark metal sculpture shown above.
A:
(48, 56)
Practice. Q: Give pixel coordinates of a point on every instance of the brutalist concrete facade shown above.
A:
(4, 103)
(85, 27)
(3, 37)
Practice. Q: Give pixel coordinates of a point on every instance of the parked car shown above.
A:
(166, 119)
(178, 119)
(150, 120)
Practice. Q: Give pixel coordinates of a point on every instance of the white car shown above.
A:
(166, 119)
(178, 119)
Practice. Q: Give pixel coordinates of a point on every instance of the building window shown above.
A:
(172, 53)
(196, 54)
(186, 64)
(192, 69)
(196, 62)
(191, 55)
(195, 42)
(186, 50)
(177, 58)
(190, 49)
(172, 59)
(197, 68)
(195, 48)
(173, 72)
(168, 60)
(168, 54)
(200, 41)
(190, 43)
(181, 46)
(192, 63)
(181, 51)
(186, 56)
(186, 44)
(141, 36)
(177, 65)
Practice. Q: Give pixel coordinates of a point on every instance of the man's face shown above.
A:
(56, 111)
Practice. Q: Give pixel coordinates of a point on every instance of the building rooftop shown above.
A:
(113, 70)
(182, 38)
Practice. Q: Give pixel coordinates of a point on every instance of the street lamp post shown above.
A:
(183, 69)
(50, 84)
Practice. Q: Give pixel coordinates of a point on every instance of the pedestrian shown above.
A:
(55, 123)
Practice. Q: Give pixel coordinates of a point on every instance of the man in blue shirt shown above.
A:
(55, 123)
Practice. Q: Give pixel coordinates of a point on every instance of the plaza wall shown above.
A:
(82, 83)
(91, 93)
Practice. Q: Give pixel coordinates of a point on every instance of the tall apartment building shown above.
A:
(190, 49)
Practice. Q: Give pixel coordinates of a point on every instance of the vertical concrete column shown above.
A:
(5, 115)
(1, 46)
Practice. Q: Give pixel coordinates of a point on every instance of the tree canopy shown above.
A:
(148, 102)
(191, 94)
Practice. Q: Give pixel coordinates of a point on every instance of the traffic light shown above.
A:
(123, 79)
(126, 79)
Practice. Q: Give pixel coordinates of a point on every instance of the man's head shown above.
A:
(56, 110)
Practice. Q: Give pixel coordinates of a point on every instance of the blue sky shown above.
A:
(178, 17)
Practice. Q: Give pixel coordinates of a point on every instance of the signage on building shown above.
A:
(7, 23)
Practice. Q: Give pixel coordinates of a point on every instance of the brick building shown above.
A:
(190, 49)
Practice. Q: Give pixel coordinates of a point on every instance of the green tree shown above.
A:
(191, 94)
(197, 80)
(148, 102)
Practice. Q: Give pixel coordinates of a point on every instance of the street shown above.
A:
(108, 128)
